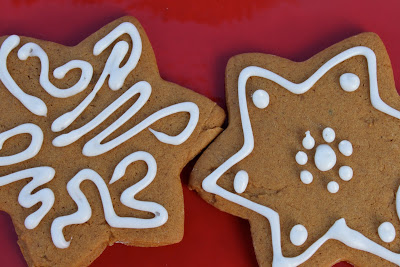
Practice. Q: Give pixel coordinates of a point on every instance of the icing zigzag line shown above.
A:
(127, 198)
(40, 176)
(339, 230)
(94, 146)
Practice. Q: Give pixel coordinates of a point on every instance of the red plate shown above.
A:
(192, 43)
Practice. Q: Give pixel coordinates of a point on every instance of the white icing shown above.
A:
(34, 50)
(32, 103)
(40, 176)
(345, 173)
(339, 230)
(261, 99)
(32, 150)
(308, 141)
(306, 177)
(127, 198)
(346, 148)
(387, 232)
(325, 158)
(298, 235)
(301, 158)
(94, 146)
(328, 134)
(240, 182)
(349, 82)
(333, 187)
(111, 68)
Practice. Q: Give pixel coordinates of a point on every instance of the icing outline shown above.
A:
(339, 230)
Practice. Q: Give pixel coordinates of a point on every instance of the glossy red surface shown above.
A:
(193, 42)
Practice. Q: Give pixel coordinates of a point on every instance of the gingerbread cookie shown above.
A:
(92, 144)
(310, 156)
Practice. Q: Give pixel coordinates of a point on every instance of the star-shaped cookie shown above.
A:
(311, 156)
(92, 142)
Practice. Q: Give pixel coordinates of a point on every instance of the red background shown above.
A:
(192, 43)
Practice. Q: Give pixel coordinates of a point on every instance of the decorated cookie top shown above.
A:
(310, 155)
(92, 144)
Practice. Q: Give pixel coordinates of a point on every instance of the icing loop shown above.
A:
(117, 74)
(32, 103)
(111, 68)
(40, 176)
(127, 198)
(33, 50)
(31, 151)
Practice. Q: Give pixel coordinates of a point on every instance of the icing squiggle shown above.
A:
(34, 50)
(32, 103)
(40, 176)
(31, 151)
(339, 230)
(111, 68)
(127, 198)
(94, 147)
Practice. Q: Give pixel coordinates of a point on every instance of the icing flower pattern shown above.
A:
(325, 158)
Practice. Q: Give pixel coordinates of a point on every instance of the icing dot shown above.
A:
(301, 158)
(261, 99)
(240, 182)
(349, 82)
(308, 141)
(298, 235)
(346, 148)
(333, 187)
(328, 134)
(306, 177)
(387, 232)
(345, 173)
(325, 158)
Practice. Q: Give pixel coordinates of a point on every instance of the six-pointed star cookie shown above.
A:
(311, 156)
(94, 143)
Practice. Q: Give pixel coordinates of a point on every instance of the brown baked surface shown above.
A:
(91, 238)
(366, 201)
